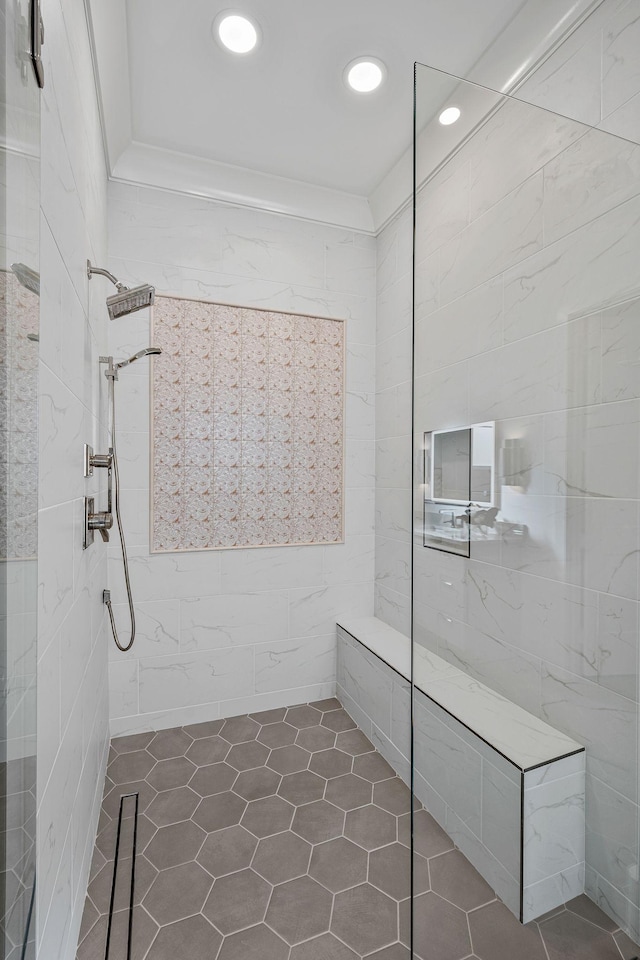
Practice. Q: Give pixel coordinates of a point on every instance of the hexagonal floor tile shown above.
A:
(338, 721)
(146, 794)
(365, 919)
(100, 886)
(177, 893)
(496, 934)
(349, 792)
(453, 877)
(440, 929)
(330, 763)
(208, 750)
(194, 933)
(302, 787)
(338, 864)
(390, 871)
(395, 952)
(354, 742)
(240, 729)
(325, 947)
(214, 778)
(289, 759)
(144, 931)
(172, 806)
(282, 857)
(237, 901)
(277, 735)
(568, 934)
(371, 766)
(132, 742)
(175, 844)
(168, 774)
(256, 943)
(219, 811)
(253, 784)
(227, 851)
(303, 717)
(370, 827)
(146, 830)
(299, 910)
(268, 816)
(269, 716)
(315, 738)
(209, 728)
(392, 795)
(131, 766)
(429, 839)
(330, 703)
(318, 821)
(169, 743)
(246, 756)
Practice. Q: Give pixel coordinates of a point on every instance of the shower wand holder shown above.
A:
(92, 460)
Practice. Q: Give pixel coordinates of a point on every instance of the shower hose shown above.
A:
(125, 560)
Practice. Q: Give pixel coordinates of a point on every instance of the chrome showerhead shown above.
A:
(126, 300)
(147, 352)
(27, 277)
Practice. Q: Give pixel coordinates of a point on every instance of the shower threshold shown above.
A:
(285, 835)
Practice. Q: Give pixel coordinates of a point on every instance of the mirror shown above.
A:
(459, 486)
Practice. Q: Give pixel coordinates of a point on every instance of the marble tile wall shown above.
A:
(394, 280)
(72, 693)
(226, 632)
(533, 334)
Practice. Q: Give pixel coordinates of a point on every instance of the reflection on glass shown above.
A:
(459, 487)
(19, 334)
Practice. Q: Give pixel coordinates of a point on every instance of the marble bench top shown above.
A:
(523, 739)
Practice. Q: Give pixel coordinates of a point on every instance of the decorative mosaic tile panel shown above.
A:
(248, 427)
(19, 320)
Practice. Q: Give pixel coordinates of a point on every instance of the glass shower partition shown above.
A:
(19, 357)
(526, 535)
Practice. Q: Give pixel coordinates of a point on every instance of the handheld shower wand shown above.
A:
(111, 373)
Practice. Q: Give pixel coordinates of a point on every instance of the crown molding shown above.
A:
(180, 173)
(534, 33)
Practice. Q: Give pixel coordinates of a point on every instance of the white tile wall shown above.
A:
(72, 689)
(227, 631)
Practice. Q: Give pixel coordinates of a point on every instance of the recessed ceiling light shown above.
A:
(236, 32)
(365, 74)
(449, 116)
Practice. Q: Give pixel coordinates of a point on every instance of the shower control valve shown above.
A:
(101, 520)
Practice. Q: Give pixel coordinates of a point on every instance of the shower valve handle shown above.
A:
(101, 521)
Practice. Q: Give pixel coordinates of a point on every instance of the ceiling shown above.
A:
(278, 128)
(285, 110)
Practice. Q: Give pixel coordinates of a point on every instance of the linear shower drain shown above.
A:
(120, 921)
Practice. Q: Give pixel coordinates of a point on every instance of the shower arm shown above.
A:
(100, 271)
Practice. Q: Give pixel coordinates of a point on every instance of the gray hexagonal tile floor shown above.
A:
(285, 836)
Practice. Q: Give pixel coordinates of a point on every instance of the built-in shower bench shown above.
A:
(507, 787)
